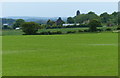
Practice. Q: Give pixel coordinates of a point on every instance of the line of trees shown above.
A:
(31, 28)
(90, 20)
(83, 19)
(104, 18)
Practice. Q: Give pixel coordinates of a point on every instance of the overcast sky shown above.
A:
(55, 9)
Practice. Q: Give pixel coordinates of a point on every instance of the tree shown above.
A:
(49, 22)
(105, 17)
(119, 18)
(114, 14)
(91, 12)
(18, 23)
(30, 28)
(93, 25)
(60, 21)
(85, 17)
(70, 20)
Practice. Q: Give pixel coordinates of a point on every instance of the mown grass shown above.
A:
(11, 32)
(94, 54)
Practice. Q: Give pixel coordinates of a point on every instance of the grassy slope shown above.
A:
(60, 55)
(12, 32)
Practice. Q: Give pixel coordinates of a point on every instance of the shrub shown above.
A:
(80, 30)
(118, 28)
(44, 33)
(93, 25)
(50, 32)
(71, 32)
(55, 32)
(30, 28)
(86, 30)
(99, 30)
(108, 29)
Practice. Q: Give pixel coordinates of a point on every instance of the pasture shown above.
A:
(94, 54)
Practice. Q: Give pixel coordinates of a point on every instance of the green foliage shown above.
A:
(18, 23)
(70, 20)
(30, 28)
(49, 22)
(85, 18)
(108, 29)
(93, 25)
(71, 32)
(6, 27)
(50, 32)
(91, 12)
(105, 17)
(80, 30)
(119, 18)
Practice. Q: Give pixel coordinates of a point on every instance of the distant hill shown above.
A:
(40, 20)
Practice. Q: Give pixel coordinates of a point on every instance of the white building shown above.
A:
(5, 24)
(17, 28)
(69, 24)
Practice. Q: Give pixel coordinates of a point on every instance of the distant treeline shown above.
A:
(104, 18)
(82, 19)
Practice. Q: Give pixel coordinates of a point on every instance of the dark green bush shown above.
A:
(50, 32)
(71, 32)
(108, 29)
(99, 30)
(86, 30)
(56, 32)
(80, 31)
(44, 33)
(118, 28)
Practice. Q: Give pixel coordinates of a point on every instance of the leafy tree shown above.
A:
(30, 28)
(119, 18)
(70, 20)
(80, 18)
(91, 12)
(85, 17)
(18, 23)
(92, 16)
(49, 22)
(114, 14)
(93, 25)
(105, 17)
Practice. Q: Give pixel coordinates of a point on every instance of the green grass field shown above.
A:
(94, 54)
